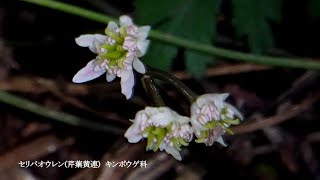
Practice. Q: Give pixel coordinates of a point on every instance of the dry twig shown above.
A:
(32, 150)
(278, 118)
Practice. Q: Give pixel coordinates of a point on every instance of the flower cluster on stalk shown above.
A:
(118, 53)
(166, 130)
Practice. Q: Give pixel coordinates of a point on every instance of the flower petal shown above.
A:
(125, 20)
(175, 153)
(223, 96)
(143, 47)
(100, 38)
(127, 83)
(85, 40)
(110, 77)
(87, 73)
(94, 47)
(91, 40)
(182, 119)
(152, 110)
(235, 111)
(196, 126)
(221, 141)
(163, 119)
(143, 32)
(112, 26)
(217, 99)
(162, 146)
(139, 66)
(131, 136)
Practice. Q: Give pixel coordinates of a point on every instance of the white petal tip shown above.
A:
(174, 152)
(143, 47)
(85, 40)
(87, 73)
(127, 82)
(128, 96)
(235, 111)
(143, 32)
(112, 26)
(125, 20)
(110, 77)
(224, 95)
(145, 28)
(76, 79)
(221, 141)
(139, 66)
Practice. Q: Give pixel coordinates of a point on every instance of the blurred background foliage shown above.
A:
(248, 22)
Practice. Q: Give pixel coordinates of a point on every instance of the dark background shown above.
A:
(38, 58)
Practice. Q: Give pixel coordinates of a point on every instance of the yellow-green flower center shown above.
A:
(157, 135)
(213, 124)
(113, 52)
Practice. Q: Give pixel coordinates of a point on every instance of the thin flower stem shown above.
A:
(29, 106)
(164, 76)
(71, 9)
(236, 55)
(191, 45)
(152, 90)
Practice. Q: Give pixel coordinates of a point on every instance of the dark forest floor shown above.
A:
(38, 58)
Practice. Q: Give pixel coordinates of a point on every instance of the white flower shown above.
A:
(211, 116)
(117, 52)
(163, 128)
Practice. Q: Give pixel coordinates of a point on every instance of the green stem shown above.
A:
(191, 45)
(152, 90)
(164, 76)
(71, 9)
(236, 55)
(27, 105)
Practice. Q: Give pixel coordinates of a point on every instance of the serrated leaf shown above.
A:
(196, 63)
(160, 55)
(314, 8)
(152, 12)
(194, 67)
(191, 19)
(251, 19)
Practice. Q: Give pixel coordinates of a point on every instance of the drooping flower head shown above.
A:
(117, 52)
(163, 128)
(211, 117)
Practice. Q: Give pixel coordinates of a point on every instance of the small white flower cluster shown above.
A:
(211, 116)
(167, 130)
(118, 53)
(163, 128)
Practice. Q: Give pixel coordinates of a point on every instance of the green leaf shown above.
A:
(251, 19)
(314, 8)
(191, 19)
(197, 63)
(160, 55)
